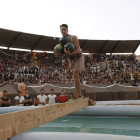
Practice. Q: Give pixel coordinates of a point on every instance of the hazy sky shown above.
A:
(88, 19)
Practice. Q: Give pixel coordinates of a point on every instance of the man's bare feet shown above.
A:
(77, 96)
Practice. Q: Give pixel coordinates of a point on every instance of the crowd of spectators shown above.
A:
(98, 69)
(40, 100)
(111, 69)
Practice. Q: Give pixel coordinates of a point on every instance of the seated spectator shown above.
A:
(36, 100)
(12, 77)
(51, 98)
(62, 98)
(99, 69)
(134, 84)
(84, 82)
(6, 77)
(5, 100)
(28, 99)
(19, 99)
(42, 98)
(91, 102)
(1, 77)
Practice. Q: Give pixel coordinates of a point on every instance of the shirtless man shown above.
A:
(76, 58)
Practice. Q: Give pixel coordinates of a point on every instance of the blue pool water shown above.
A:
(86, 124)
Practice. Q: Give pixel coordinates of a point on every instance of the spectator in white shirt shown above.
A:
(51, 98)
(42, 98)
(84, 82)
(63, 61)
(19, 99)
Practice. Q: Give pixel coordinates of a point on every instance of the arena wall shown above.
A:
(97, 92)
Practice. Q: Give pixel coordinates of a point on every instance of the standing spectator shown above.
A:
(51, 98)
(28, 99)
(42, 98)
(69, 96)
(62, 98)
(19, 99)
(36, 101)
(5, 100)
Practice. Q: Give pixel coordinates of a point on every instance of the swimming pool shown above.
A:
(129, 126)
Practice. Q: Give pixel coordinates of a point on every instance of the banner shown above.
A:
(21, 87)
(33, 54)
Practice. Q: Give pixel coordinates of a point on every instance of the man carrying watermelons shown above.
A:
(76, 58)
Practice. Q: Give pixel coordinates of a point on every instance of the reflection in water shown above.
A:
(65, 120)
(104, 125)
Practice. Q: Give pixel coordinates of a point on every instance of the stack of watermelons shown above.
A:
(64, 43)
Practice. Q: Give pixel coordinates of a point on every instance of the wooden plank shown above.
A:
(18, 122)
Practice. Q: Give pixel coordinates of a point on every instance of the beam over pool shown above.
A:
(20, 121)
